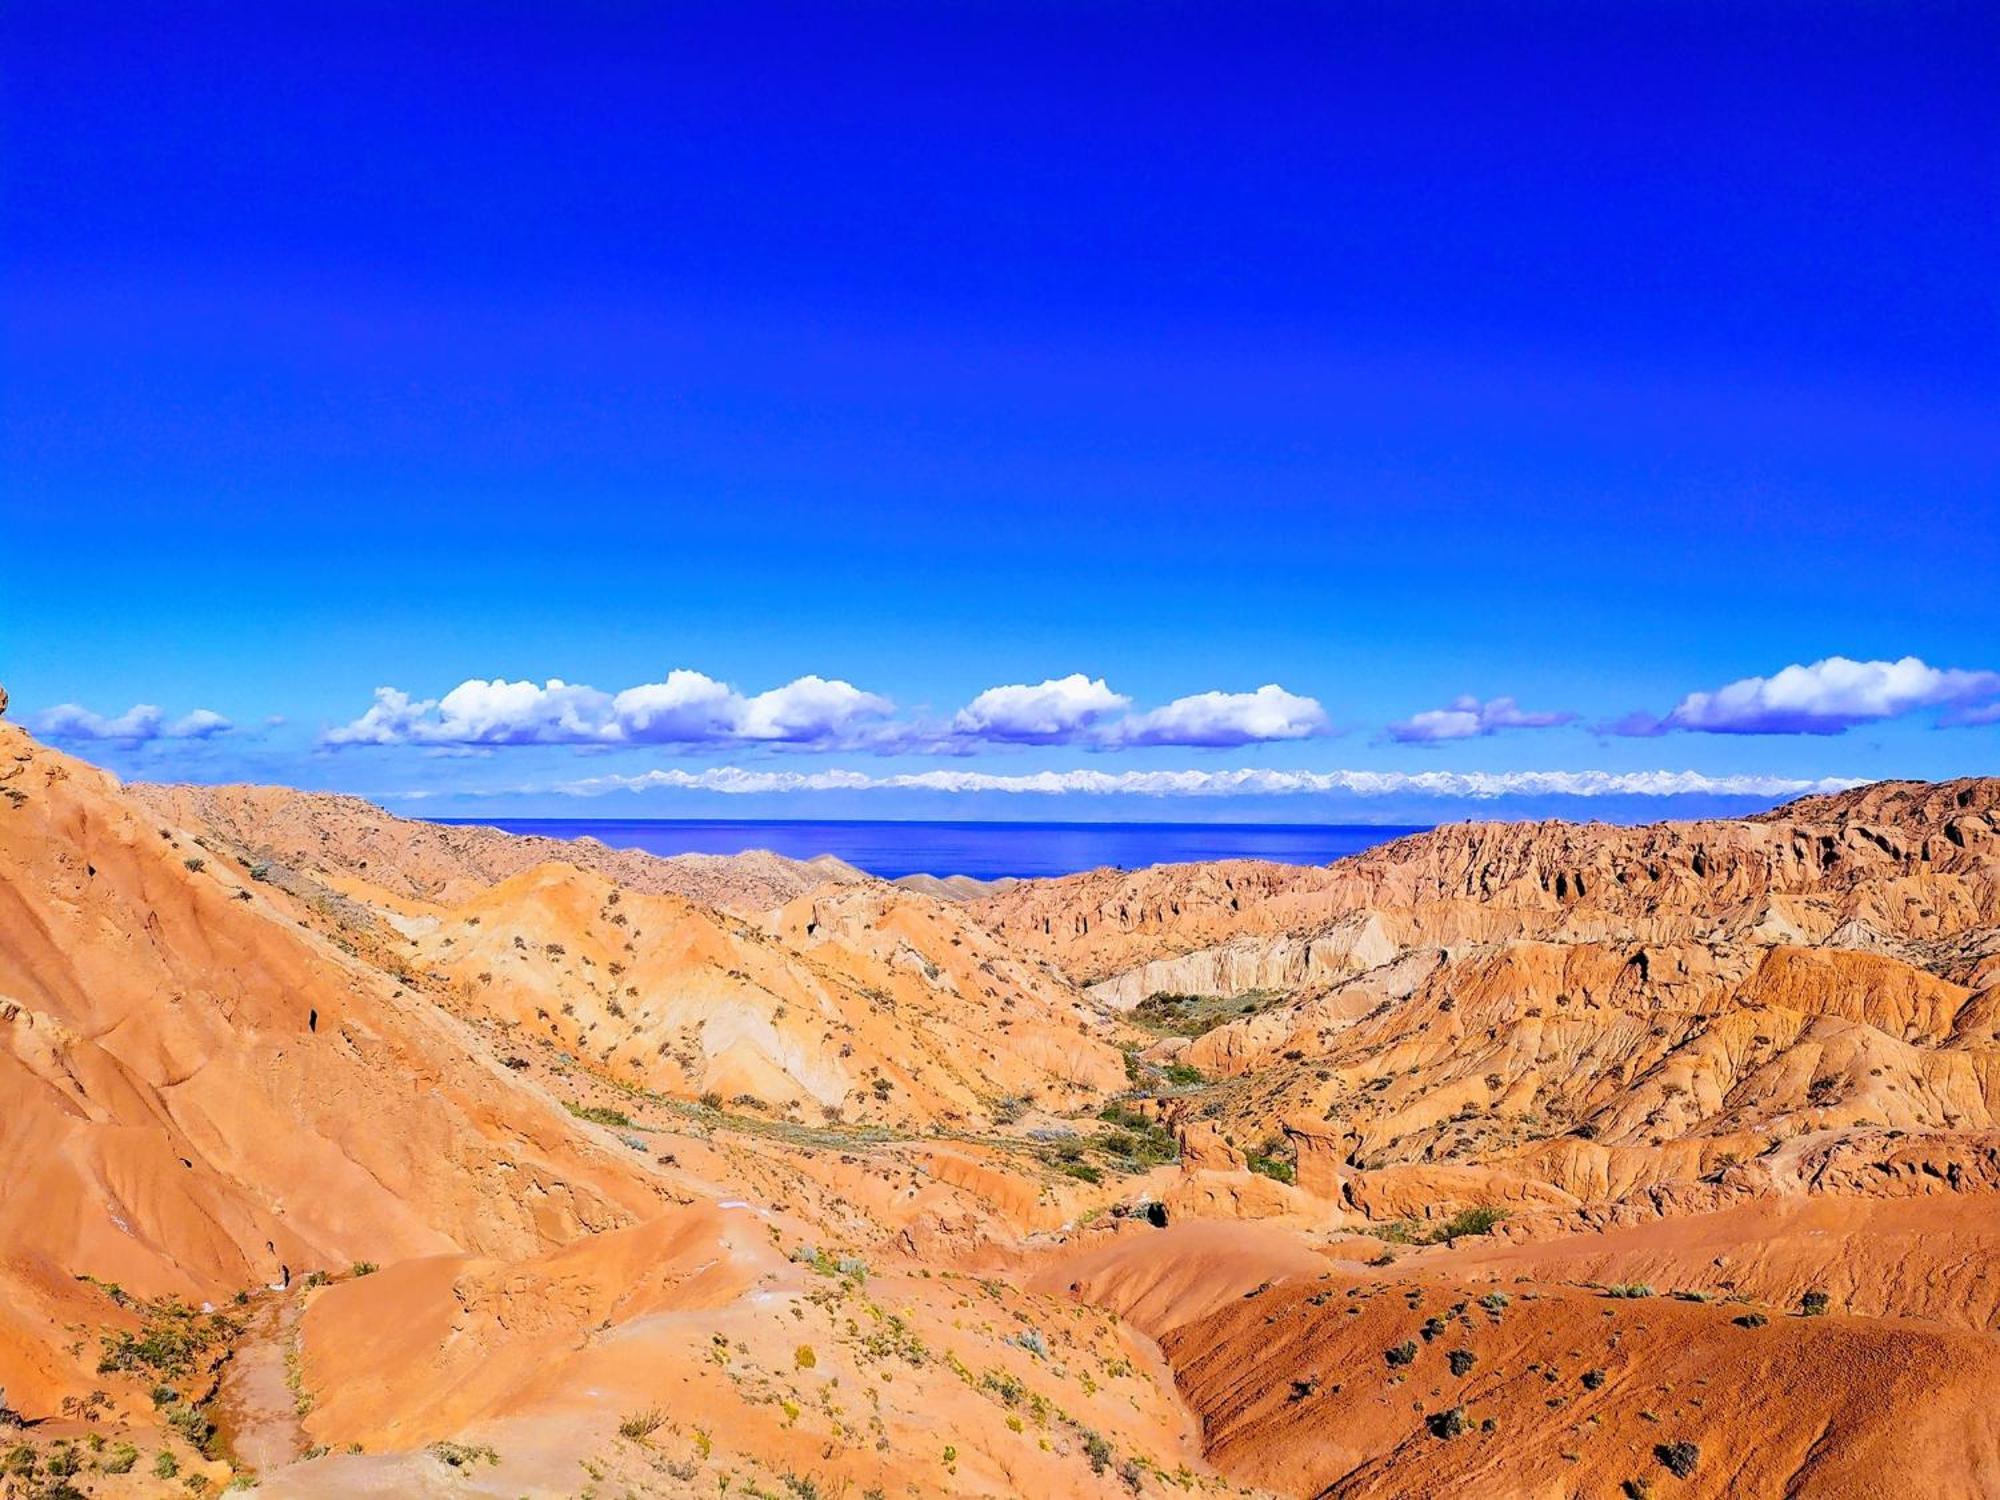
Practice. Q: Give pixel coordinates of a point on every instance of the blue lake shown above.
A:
(983, 850)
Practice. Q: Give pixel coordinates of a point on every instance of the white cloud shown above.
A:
(691, 708)
(688, 708)
(810, 710)
(394, 718)
(202, 724)
(1476, 785)
(1467, 718)
(1221, 719)
(1053, 712)
(1077, 710)
(139, 724)
(1829, 696)
(520, 713)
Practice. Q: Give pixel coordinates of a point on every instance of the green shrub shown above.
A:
(1401, 1354)
(1271, 1167)
(1274, 1159)
(1446, 1424)
(1461, 1360)
(599, 1114)
(463, 1455)
(1471, 1221)
(1098, 1451)
(171, 1340)
(641, 1425)
(1814, 1304)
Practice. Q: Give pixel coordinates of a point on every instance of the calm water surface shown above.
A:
(983, 850)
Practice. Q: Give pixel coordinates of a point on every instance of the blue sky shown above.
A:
(1591, 357)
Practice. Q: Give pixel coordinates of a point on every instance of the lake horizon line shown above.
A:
(984, 849)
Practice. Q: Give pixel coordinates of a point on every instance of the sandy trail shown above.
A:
(256, 1410)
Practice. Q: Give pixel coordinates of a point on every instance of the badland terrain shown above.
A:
(350, 1155)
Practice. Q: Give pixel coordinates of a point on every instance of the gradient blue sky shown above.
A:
(1593, 356)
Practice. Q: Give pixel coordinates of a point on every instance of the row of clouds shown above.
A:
(693, 709)
(139, 724)
(1829, 696)
(690, 709)
(1239, 783)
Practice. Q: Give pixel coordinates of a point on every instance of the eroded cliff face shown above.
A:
(199, 1095)
(502, 1161)
(1351, 945)
(1901, 862)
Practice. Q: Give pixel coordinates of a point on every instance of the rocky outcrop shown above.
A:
(1909, 861)
(1350, 946)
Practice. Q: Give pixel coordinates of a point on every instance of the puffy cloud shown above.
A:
(1829, 696)
(691, 708)
(1467, 718)
(1053, 712)
(202, 724)
(1475, 785)
(688, 708)
(519, 713)
(394, 718)
(810, 710)
(1080, 710)
(139, 724)
(1220, 719)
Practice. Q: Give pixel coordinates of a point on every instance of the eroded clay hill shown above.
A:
(336, 837)
(372, 1157)
(1903, 863)
(859, 1003)
(1754, 1064)
(198, 1096)
(317, 1178)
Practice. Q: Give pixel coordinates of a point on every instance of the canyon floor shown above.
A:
(349, 1155)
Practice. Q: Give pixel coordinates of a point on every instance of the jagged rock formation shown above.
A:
(1352, 945)
(1901, 862)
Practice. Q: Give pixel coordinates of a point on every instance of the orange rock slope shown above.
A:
(372, 1157)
